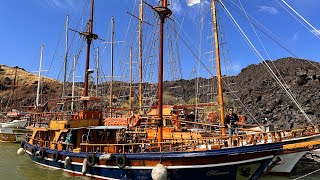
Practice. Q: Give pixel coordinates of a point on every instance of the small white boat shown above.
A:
(21, 123)
(15, 119)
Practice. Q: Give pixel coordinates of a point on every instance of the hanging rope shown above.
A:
(307, 174)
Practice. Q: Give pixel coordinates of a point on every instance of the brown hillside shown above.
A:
(24, 92)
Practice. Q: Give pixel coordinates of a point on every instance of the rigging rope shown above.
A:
(315, 30)
(264, 48)
(264, 62)
(314, 65)
(273, 39)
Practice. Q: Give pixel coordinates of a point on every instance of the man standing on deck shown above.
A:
(231, 120)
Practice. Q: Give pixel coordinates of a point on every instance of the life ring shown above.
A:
(33, 151)
(121, 161)
(213, 117)
(133, 121)
(56, 156)
(91, 160)
(42, 153)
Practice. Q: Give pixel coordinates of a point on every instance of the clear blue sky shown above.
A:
(28, 24)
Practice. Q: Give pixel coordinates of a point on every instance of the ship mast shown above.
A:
(65, 59)
(89, 35)
(73, 76)
(97, 71)
(216, 40)
(112, 60)
(163, 12)
(14, 104)
(39, 77)
(140, 55)
(130, 92)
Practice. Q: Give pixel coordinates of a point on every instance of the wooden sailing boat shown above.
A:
(83, 145)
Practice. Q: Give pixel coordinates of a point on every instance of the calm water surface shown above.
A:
(15, 167)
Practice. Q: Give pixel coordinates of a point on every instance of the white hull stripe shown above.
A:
(75, 172)
(90, 175)
(302, 138)
(173, 167)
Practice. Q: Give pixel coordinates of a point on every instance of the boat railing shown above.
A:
(196, 144)
(40, 142)
(85, 138)
(209, 143)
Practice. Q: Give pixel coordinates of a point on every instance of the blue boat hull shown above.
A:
(250, 168)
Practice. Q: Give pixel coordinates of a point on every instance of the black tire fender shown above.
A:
(33, 151)
(91, 160)
(121, 161)
(56, 156)
(42, 153)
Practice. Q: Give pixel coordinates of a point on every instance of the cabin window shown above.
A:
(100, 135)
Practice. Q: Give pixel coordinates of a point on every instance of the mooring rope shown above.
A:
(307, 174)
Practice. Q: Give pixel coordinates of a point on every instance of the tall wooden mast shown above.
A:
(89, 35)
(140, 55)
(220, 87)
(163, 13)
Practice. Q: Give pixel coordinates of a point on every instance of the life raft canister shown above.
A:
(56, 156)
(91, 160)
(121, 161)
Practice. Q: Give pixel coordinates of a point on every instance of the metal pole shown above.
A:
(39, 77)
(112, 51)
(65, 59)
(73, 77)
